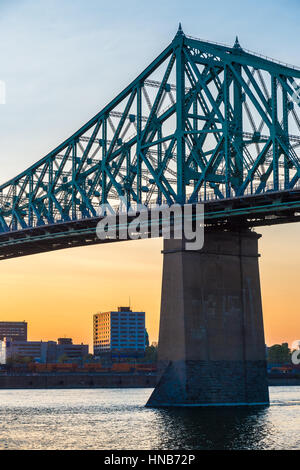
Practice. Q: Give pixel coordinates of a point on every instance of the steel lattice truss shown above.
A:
(202, 122)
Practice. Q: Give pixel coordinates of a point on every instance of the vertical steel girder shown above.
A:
(203, 121)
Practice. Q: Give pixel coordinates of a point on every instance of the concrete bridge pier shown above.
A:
(211, 342)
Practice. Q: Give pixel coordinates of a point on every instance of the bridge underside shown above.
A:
(225, 214)
(203, 122)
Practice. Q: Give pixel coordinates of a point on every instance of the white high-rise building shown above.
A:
(121, 333)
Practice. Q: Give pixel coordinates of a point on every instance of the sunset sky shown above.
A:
(62, 61)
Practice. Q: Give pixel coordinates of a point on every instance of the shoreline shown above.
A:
(69, 380)
(100, 380)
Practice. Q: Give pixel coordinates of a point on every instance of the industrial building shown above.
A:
(13, 329)
(120, 334)
(42, 351)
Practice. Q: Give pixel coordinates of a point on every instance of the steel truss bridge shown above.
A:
(203, 123)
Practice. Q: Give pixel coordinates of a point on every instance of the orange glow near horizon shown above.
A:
(279, 274)
(57, 293)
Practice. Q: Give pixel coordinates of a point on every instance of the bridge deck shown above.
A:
(233, 213)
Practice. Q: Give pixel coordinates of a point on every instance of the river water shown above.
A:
(117, 419)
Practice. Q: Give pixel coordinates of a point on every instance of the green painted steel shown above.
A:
(203, 122)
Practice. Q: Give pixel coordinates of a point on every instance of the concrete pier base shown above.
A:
(211, 342)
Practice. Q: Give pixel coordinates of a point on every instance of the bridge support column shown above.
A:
(211, 341)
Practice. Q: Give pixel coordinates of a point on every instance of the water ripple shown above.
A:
(117, 419)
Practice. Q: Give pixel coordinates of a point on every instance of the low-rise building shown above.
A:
(41, 351)
(74, 352)
(13, 329)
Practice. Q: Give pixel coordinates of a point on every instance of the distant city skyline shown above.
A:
(295, 344)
